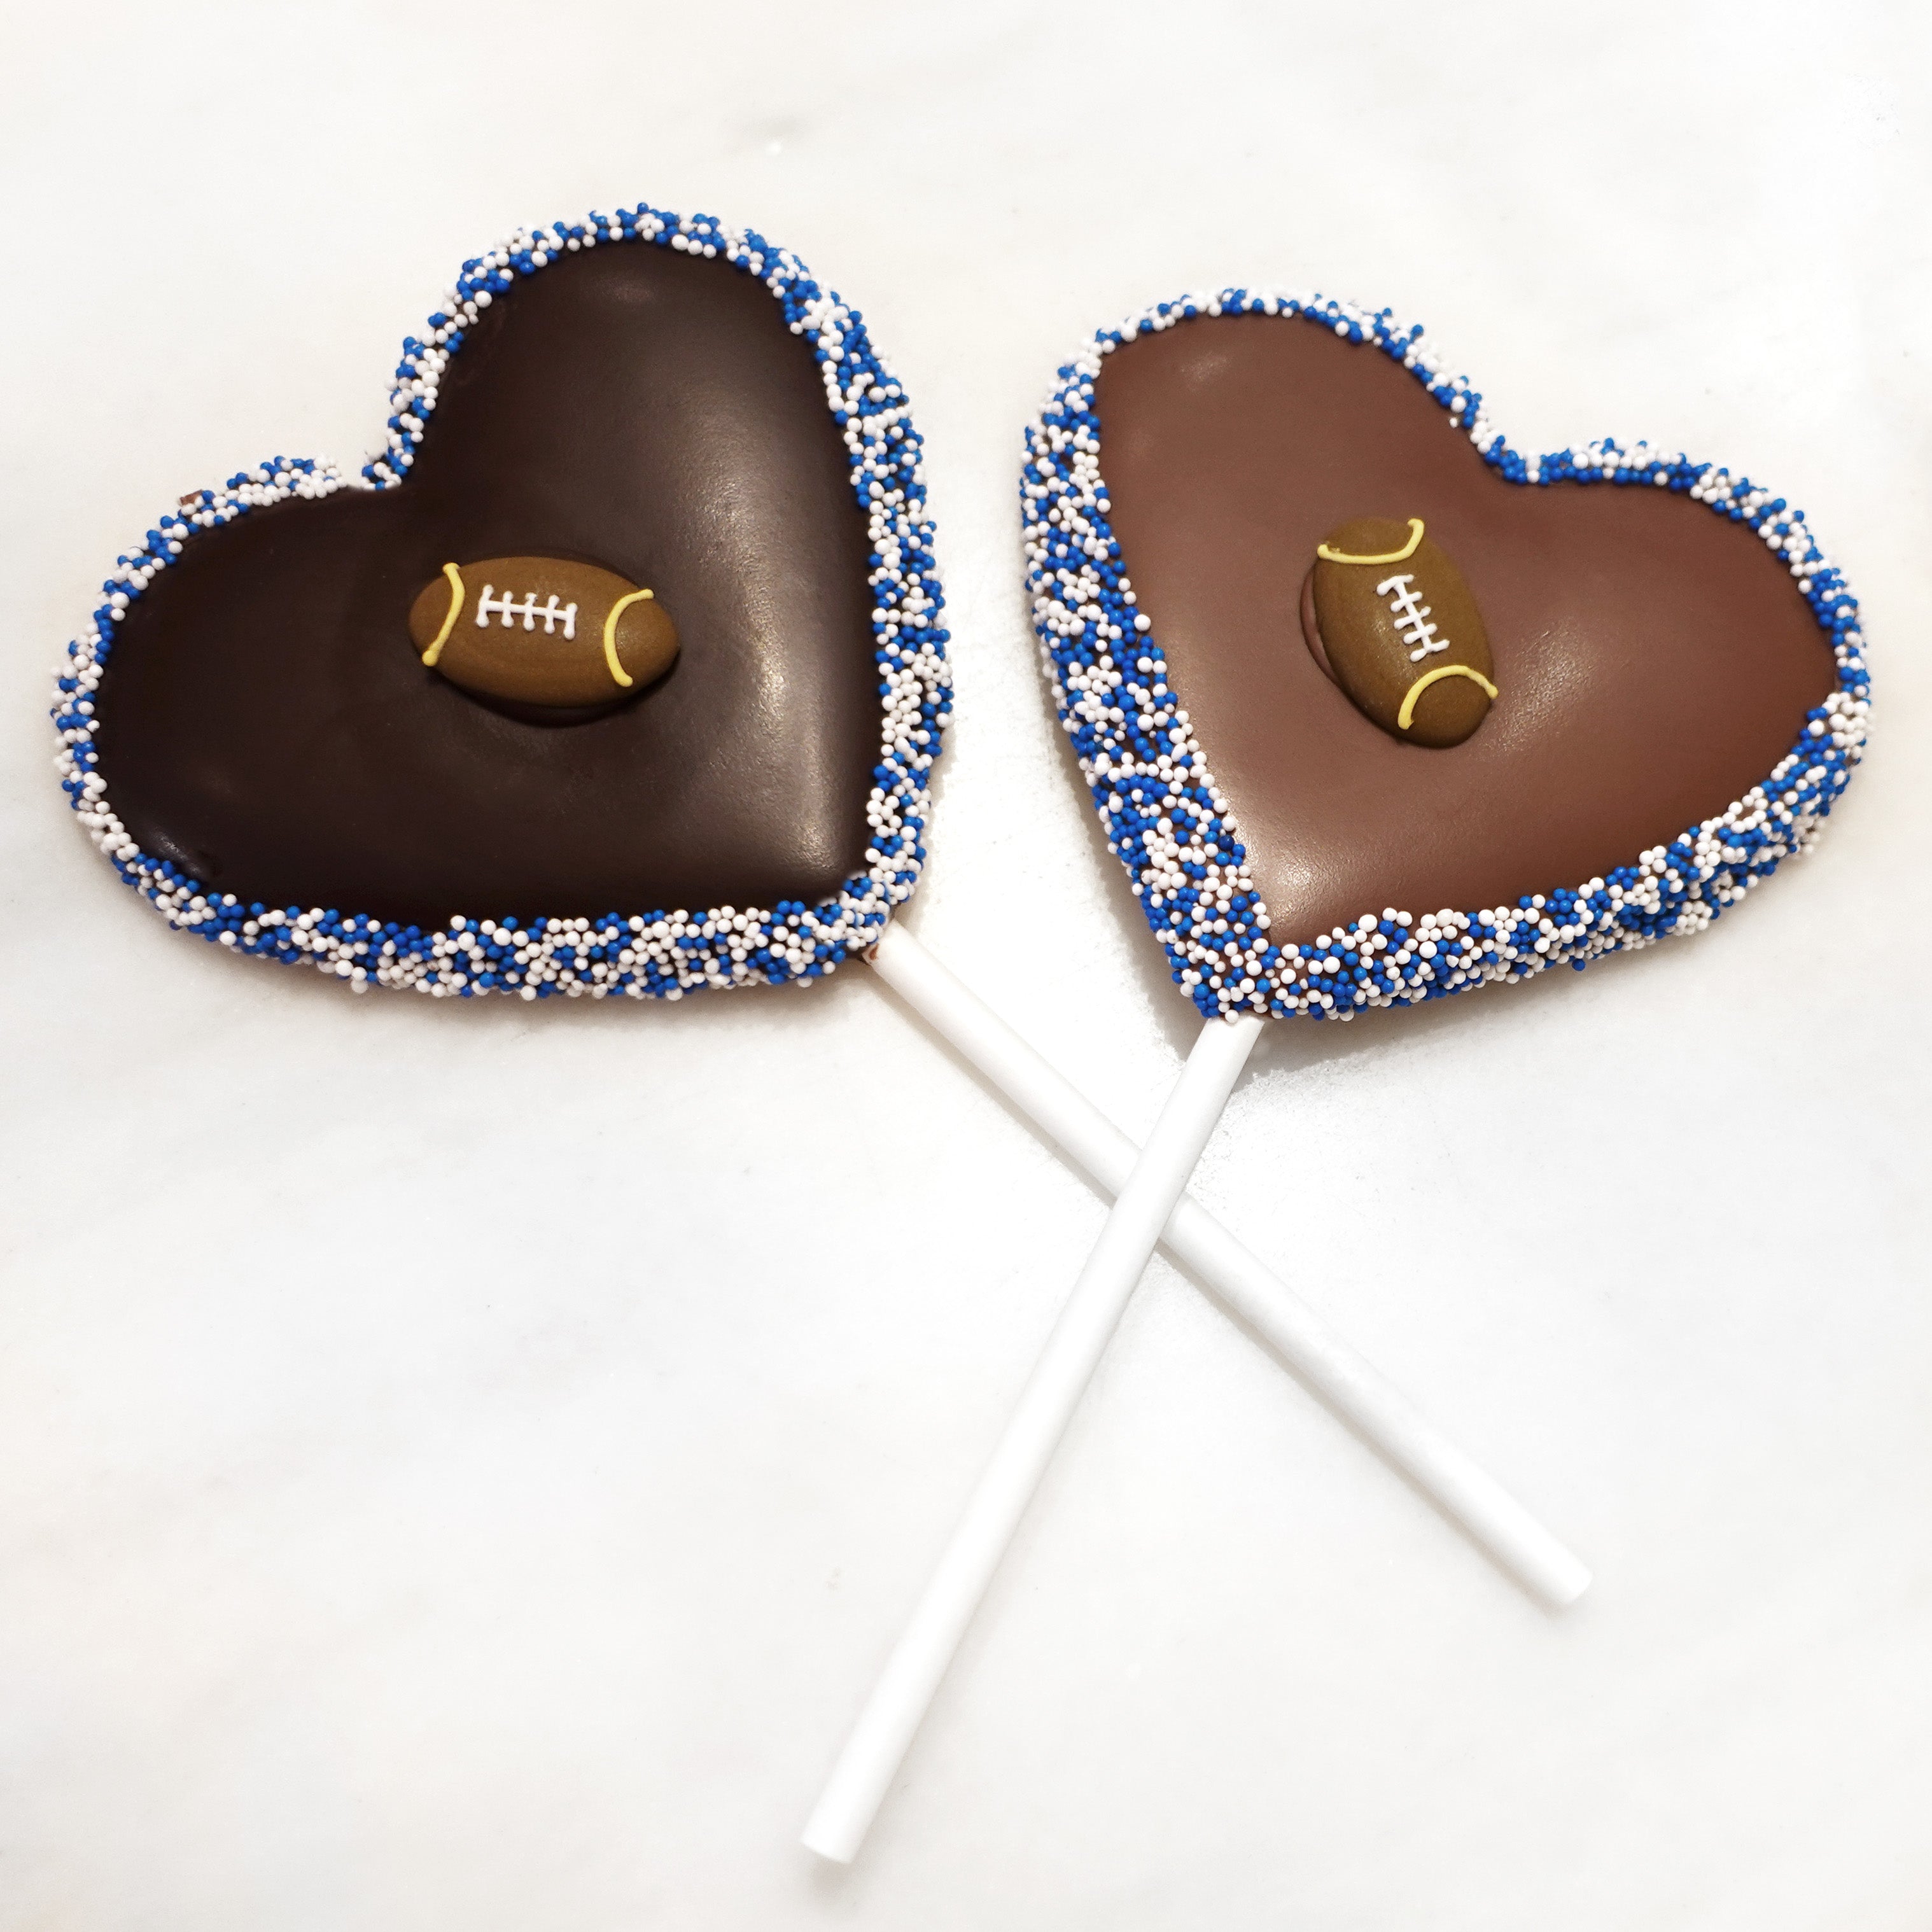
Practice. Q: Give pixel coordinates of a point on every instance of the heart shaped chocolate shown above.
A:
(1659, 686)
(637, 611)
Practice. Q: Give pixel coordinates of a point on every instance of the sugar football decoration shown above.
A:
(543, 632)
(1388, 616)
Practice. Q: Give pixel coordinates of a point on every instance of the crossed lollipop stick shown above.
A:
(1151, 1207)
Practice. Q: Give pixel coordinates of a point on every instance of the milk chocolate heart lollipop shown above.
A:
(1640, 685)
(1329, 649)
(620, 670)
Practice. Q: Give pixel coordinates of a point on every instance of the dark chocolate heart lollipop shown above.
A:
(1259, 528)
(621, 671)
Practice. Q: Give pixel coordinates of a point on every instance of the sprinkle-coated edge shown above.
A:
(1168, 823)
(660, 954)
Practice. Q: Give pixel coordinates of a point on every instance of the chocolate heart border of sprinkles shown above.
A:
(1129, 734)
(655, 955)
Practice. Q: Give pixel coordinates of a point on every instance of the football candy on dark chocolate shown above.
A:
(622, 672)
(553, 638)
(1653, 681)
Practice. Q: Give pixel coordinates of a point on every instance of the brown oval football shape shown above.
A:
(1394, 625)
(543, 632)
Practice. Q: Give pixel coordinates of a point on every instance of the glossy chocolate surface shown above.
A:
(1654, 660)
(266, 725)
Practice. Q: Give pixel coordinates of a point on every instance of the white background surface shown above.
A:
(463, 1465)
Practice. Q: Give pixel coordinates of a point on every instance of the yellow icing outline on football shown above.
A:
(1406, 716)
(456, 596)
(610, 635)
(1401, 556)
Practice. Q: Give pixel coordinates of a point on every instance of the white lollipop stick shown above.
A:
(1354, 1388)
(885, 1729)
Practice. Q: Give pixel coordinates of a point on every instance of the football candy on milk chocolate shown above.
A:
(1390, 620)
